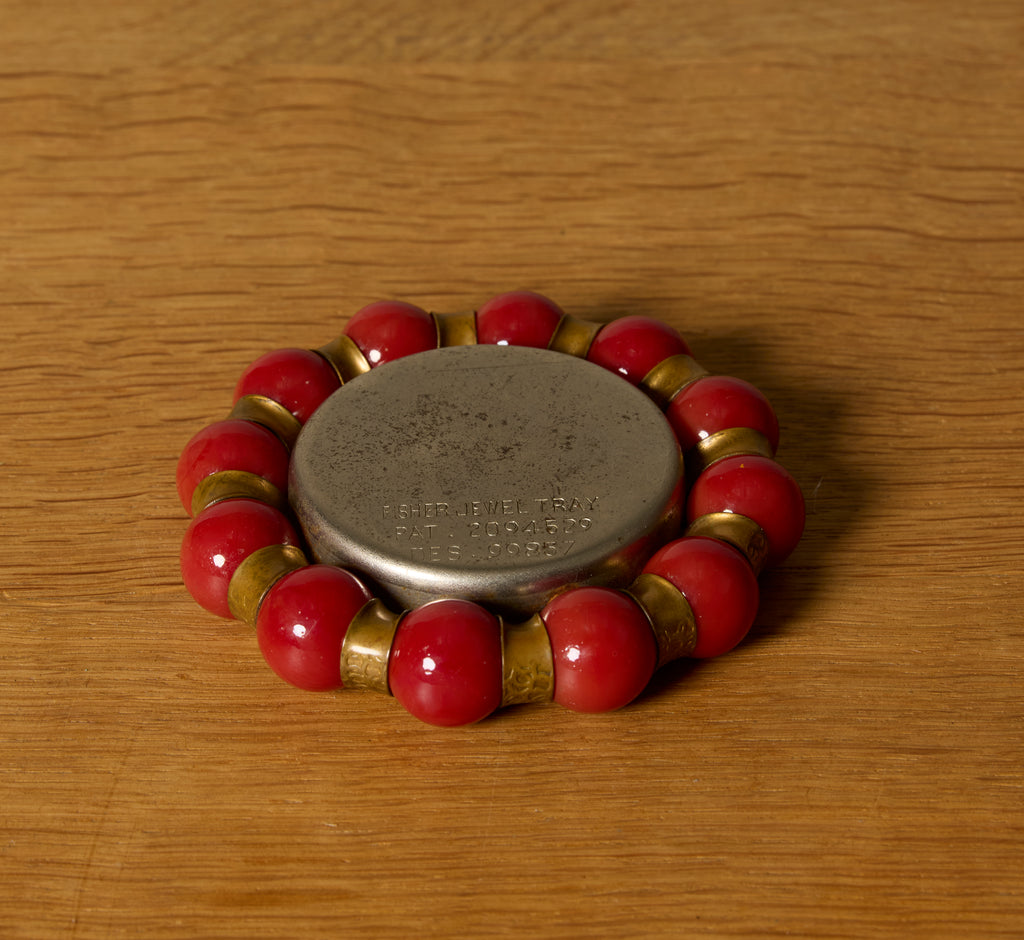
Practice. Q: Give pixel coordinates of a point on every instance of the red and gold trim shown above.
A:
(590, 648)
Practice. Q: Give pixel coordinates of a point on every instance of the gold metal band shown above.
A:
(669, 377)
(573, 336)
(270, 414)
(731, 442)
(455, 329)
(527, 665)
(366, 649)
(741, 532)
(670, 615)
(257, 574)
(346, 357)
(235, 484)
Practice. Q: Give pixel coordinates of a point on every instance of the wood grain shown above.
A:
(828, 202)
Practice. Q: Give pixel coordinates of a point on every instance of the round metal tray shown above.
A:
(495, 473)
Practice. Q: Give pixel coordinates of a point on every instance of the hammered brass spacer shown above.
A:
(366, 649)
(235, 484)
(741, 532)
(346, 357)
(455, 329)
(527, 665)
(271, 414)
(670, 615)
(669, 377)
(731, 442)
(257, 574)
(573, 336)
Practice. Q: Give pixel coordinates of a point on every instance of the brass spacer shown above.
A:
(366, 649)
(731, 442)
(346, 357)
(455, 329)
(573, 336)
(271, 414)
(669, 377)
(257, 574)
(739, 531)
(235, 484)
(527, 665)
(670, 615)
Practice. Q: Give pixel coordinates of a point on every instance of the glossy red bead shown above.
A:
(518, 318)
(719, 585)
(603, 648)
(302, 623)
(220, 538)
(299, 379)
(232, 444)
(445, 664)
(758, 488)
(632, 346)
(717, 403)
(390, 329)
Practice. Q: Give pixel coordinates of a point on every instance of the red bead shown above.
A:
(302, 622)
(758, 488)
(391, 329)
(603, 648)
(445, 664)
(719, 585)
(232, 444)
(220, 538)
(518, 318)
(632, 346)
(299, 379)
(716, 403)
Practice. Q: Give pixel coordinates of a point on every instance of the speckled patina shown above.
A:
(494, 473)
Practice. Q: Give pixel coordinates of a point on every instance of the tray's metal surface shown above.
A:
(499, 474)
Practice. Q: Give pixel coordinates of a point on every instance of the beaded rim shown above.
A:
(528, 662)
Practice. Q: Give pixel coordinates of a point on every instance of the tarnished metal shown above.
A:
(346, 358)
(366, 649)
(495, 473)
(731, 442)
(739, 531)
(235, 484)
(574, 336)
(670, 615)
(669, 377)
(257, 574)
(455, 329)
(527, 664)
(270, 414)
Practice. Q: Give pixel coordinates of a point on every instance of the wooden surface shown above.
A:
(827, 199)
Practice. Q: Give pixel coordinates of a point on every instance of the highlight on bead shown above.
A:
(603, 649)
(593, 647)
(220, 538)
(389, 329)
(445, 664)
(302, 624)
(518, 318)
(632, 346)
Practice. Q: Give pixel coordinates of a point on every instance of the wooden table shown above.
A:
(826, 199)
